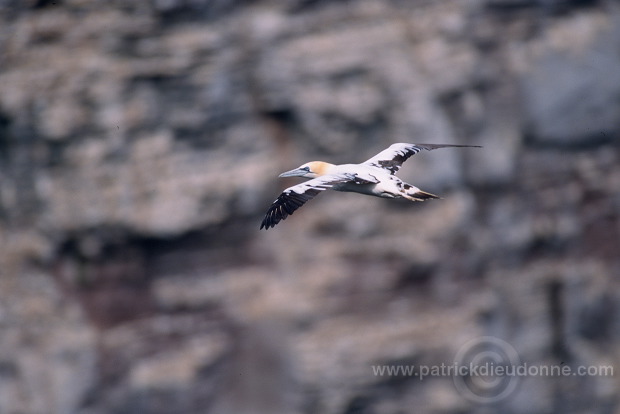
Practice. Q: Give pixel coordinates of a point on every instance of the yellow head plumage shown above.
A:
(318, 168)
(311, 169)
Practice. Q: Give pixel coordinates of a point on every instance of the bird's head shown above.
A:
(311, 169)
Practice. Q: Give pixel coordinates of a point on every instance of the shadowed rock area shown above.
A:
(140, 144)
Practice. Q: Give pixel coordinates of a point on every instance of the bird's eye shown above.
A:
(306, 169)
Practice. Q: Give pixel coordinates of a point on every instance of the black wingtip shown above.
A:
(265, 225)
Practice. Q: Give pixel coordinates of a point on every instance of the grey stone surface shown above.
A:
(140, 144)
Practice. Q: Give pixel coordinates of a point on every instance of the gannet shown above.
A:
(375, 177)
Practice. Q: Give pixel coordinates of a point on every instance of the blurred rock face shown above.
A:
(139, 148)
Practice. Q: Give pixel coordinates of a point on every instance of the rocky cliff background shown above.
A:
(140, 143)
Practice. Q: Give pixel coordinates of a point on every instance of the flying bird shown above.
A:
(375, 177)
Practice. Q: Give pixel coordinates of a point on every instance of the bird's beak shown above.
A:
(297, 172)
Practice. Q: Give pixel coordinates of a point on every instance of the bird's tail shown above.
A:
(415, 194)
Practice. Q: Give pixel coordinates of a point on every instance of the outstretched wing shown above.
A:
(294, 197)
(393, 157)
